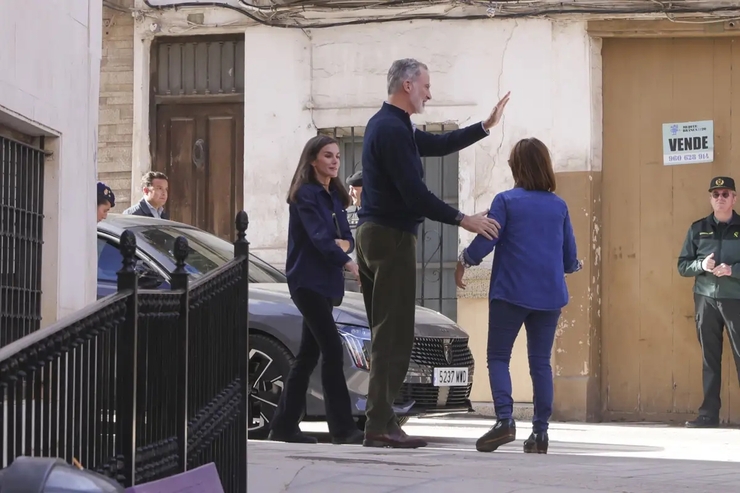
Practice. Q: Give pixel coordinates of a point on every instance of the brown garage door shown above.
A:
(651, 364)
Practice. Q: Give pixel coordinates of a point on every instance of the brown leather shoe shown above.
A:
(395, 439)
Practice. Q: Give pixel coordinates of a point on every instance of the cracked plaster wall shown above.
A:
(298, 81)
(336, 77)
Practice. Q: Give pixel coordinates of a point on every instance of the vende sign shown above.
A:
(688, 142)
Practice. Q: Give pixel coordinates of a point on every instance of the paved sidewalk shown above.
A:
(583, 458)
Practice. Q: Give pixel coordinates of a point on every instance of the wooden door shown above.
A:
(201, 149)
(652, 366)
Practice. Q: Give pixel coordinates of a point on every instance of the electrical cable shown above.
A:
(249, 11)
(114, 6)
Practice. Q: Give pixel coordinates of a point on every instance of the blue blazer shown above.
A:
(315, 261)
(535, 248)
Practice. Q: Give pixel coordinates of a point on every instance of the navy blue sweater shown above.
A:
(315, 261)
(394, 193)
(534, 250)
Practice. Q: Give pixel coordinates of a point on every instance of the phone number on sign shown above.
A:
(682, 158)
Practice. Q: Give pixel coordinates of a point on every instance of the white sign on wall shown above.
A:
(688, 142)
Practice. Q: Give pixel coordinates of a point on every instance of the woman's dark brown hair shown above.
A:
(305, 173)
(531, 166)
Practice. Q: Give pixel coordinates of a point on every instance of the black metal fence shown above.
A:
(21, 237)
(142, 384)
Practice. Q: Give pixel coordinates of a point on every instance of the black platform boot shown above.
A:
(503, 432)
(536, 443)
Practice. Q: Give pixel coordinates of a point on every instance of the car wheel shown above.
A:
(272, 361)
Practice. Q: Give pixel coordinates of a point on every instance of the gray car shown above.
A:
(440, 375)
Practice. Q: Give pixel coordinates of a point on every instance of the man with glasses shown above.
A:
(711, 255)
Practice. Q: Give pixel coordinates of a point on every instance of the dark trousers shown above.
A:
(387, 261)
(319, 337)
(504, 321)
(711, 316)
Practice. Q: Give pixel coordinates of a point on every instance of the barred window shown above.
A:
(21, 238)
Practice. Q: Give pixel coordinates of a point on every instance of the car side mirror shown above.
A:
(148, 278)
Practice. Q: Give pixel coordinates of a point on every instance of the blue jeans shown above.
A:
(504, 321)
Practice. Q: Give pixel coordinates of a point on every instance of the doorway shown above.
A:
(200, 147)
(198, 128)
(651, 363)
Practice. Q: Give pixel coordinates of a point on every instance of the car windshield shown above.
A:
(206, 252)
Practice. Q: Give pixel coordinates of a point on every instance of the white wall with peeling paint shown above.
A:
(299, 81)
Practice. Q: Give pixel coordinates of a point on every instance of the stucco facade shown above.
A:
(336, 78)
(298, 81)
(49, 84)
(301, 81)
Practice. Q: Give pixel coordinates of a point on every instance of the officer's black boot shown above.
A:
(703, 422)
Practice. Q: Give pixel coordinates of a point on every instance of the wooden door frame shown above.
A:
(650, 30)
(592, 396)
(155, 100)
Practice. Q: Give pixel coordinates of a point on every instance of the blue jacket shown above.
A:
(315, 261)
(393, 191)
(535, 249)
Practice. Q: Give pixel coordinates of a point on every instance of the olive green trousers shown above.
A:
(387, 262)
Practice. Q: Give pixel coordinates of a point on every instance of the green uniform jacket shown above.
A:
(707, 236)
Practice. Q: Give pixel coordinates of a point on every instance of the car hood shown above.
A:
(352, 312)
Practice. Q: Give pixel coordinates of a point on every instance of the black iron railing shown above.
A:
(142, 384)
(21, 238)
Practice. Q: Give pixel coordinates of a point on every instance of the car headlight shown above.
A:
(357, 340)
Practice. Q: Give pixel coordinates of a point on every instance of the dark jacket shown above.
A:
(315, 261)
(707, 236)
(142, 209)
(393, 191)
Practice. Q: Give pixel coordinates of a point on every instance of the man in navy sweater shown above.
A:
(395, 202)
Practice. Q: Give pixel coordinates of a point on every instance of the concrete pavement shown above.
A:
(583, 458)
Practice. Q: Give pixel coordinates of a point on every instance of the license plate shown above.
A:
(450, 377)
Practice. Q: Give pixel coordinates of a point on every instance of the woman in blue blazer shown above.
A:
(535, 248)
(319, 241)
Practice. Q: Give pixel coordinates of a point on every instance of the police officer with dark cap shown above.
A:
(355, 192)
(106, 200)
(355, 188)
(711, 255)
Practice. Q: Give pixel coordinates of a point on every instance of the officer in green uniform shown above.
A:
(711, 255)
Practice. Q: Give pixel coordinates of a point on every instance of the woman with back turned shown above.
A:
(319, 240)
(535, 248)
